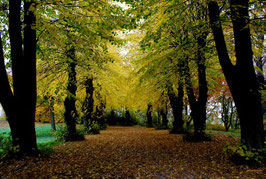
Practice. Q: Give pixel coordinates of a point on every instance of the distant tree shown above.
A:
(227, 111)
(127, 117)
(87, 107)
(149, 116)
(177, 104)
(163, 114)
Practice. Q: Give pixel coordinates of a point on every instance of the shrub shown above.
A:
(6, 146)
(118, 117)
(93, 128)
(103, 126)
(160, 127)
(47, 148)
(62, 134)
(241, 155)
(215, 127)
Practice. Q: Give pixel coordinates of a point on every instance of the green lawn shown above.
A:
(231, 133)
(44, 134)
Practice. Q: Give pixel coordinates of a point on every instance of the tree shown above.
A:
(149, 116)
(74, 33)
(227, 111)
(87, 107)
(19, 102)
(245, 92)
(163, 114)
(70, 100)
(177, 106)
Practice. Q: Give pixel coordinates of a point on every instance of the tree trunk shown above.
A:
(20, 106)
(177, 106)
(198, 107)
(159, 123)
(70, 100)
(245, 92)
(112, 120)
(127, 117)
(7, 98)
(164, 117)
(87, 107)
(203, 88)
(149, 116)
(51, 108)
(99, 115)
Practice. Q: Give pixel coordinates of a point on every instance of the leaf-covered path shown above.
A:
(132, 152)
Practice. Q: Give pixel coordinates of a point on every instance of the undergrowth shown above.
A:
(240, 154)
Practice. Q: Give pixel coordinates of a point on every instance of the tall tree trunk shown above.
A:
(51, 108)
(70, 100)
(99, 116)
(149, 116)
(198, 107)
(245, 92)
(159, 123)
(7, 98)
(203, 88)
(30, 91)
(177, 106)
(20, 107)
(87, 107)
(226, 113)
(100, 109)
(164, 117)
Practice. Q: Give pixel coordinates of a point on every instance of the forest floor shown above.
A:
(133, 152)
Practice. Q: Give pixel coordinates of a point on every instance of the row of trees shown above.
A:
(169, 59)
(177, 57)
(65, 43)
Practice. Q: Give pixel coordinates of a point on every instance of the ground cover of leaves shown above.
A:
(132, 152)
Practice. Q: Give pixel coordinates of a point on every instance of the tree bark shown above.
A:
(20, 105)
(127, 118)
(159, 123)
(87, 107)
(177, 106)
(29, 83)
(51, 108)
(70, 100)
(99, 116)
(198, 107)
(164, 117)
(149, 116)
(245, 92)
(113, 118)
(203, 87)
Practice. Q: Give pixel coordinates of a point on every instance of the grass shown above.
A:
(218, 128)
(45, 138)
(224, 132)
(44, 134)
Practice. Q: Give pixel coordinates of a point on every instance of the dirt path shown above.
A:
(132, 152)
